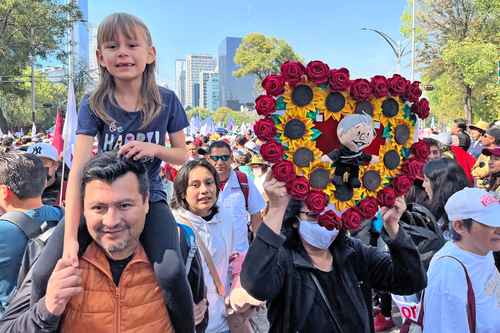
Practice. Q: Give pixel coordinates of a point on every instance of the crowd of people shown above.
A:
(153, 231)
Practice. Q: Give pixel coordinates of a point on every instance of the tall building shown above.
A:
(180, 80)
(213, 93)
(81, 38)
(194, 65)
(234, 91)
(205, 76)
(93, 65)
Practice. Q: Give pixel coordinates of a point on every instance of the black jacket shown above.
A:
(280, 274)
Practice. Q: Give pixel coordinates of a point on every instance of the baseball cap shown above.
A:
(42, 149)
(491, 151)
(476, 204)
(494, 132)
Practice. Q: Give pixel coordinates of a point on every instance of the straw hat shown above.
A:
(481, 126)
(257, 159)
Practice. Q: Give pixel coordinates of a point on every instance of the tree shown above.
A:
(457, 54)
(198, 111)
(31, 29)
(49, 96)
(222, 114)
(261, 55)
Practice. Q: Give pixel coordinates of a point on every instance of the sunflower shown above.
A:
(287, 97)
(320, 96)
(343, 205)
(377, 109)
(385, 171)
(318, 165)
(363, 191)
(295, 119)
(390, 120)
(304, 144)
(411, 128)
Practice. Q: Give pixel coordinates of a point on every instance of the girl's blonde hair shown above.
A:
(150, 98)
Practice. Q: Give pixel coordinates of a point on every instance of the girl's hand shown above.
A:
(391, 216)
(139, 149)
(70, 252)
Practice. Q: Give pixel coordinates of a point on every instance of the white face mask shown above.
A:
(316, 235)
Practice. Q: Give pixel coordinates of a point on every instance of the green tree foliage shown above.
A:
(458, 51)
(222, 115)
(49, 97)
(30, 28)
(262, 55)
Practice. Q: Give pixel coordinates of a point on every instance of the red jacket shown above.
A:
(465, 160)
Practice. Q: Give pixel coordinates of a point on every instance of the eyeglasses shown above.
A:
(223, 158)
(312, 215)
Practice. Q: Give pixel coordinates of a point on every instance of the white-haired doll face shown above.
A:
(356, 133)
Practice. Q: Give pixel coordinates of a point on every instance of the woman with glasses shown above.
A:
(319, 280)
(222, 244)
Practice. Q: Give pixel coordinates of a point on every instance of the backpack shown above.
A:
(243, 180)
(421, 226)
(188, 234)
(37, 238)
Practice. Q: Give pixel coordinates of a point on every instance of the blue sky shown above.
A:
(317, 30)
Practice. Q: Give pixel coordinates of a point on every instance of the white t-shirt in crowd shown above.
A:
(445, 303)
(231, 199)
(222, 239)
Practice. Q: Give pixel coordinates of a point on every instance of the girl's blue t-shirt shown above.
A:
(126, 127)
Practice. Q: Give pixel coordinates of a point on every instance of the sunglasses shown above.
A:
(223, 158)
(312, 215)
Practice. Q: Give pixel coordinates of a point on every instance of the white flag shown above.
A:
(33, 130)
(70, 123)
(1, 133)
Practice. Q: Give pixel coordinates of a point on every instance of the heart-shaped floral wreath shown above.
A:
(299, 116)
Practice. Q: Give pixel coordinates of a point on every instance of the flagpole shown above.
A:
(70, 79)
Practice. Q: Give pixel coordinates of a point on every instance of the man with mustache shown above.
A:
(114, 288)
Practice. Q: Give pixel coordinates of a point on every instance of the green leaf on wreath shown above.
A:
(276, 118)
(285, 156)
(407, 111)
(387, 132)
(405, 152)
(316, 134)
(312, 115)
(280, 103)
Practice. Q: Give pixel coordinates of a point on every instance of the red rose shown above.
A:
(339, 79)
(386, 197)
(398, 85)
(402, 184)
(271, 151)
(330, 220)
(316, 201)
(379, 86)
(413, 168)
(420, 150)
(317, 72)
(283, 171)
(352, 219)
(368, 207)
(298, 188)
(413, 92)
(265, 105)
(360, 89)
(421, 108)
(264, 129)
(274, 85)
(292, 71)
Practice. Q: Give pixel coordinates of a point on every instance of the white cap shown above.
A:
(476, 204)
(42, 149)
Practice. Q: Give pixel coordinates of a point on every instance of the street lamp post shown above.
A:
(397, 48)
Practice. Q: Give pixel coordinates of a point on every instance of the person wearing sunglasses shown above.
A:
(319, 280)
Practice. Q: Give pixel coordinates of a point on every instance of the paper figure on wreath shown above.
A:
(355, 132)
